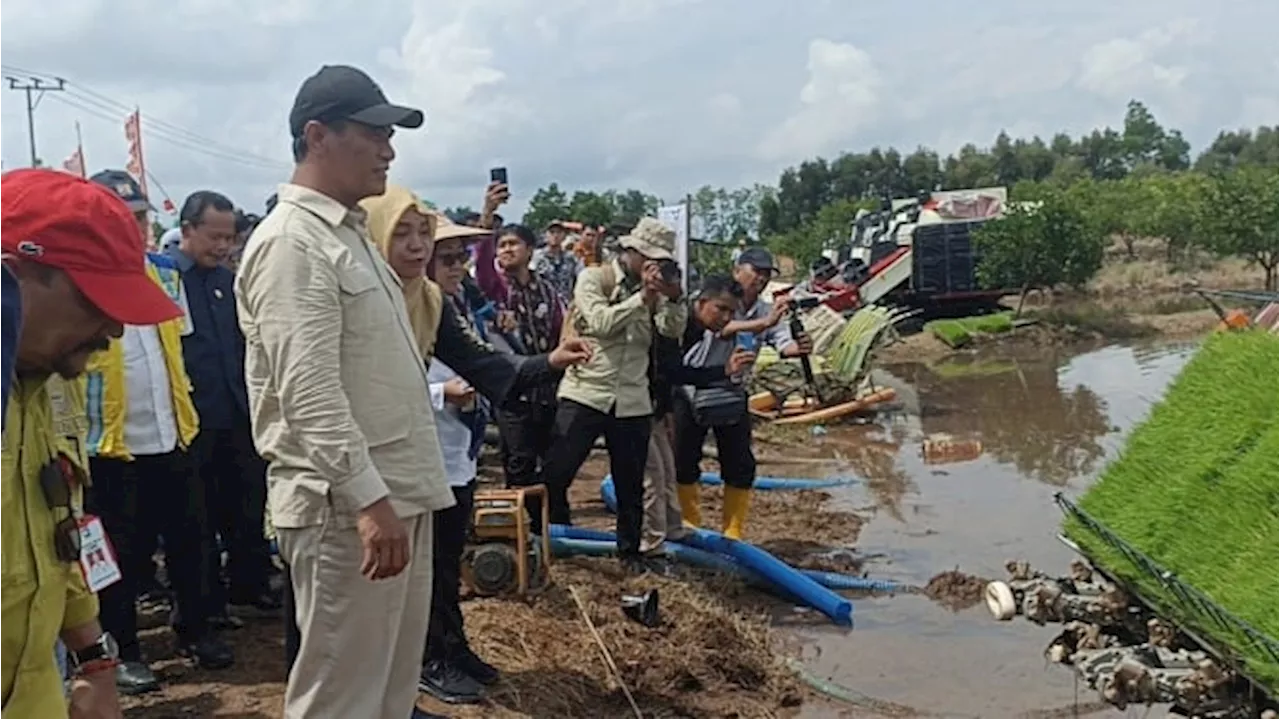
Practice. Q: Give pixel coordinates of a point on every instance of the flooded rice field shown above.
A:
(963, 475)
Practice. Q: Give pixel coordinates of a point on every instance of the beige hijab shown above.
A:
(422, 297)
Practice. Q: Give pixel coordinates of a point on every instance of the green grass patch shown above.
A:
(1195, 489)
(957, 333)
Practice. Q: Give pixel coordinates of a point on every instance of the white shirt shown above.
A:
(453, 433)
(149, 423)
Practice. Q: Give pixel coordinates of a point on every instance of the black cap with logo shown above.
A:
(341, 92)
(123, 184)
(759, 258)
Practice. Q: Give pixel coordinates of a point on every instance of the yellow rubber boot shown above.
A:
(736, 502)
(690, 510)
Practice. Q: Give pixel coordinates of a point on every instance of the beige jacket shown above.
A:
(337, 387)
(620, 327)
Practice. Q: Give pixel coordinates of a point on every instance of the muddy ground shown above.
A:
(722, 651)
(722, 646)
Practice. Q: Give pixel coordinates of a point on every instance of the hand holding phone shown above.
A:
(498, 175)
(745, 341)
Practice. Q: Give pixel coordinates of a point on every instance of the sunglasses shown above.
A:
(451, 259)
(57, 478)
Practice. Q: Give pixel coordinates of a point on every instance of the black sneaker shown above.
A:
(446, 682)
(477, 668)
(209, 652)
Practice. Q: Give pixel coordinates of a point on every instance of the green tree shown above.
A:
(592, 208)
(547, 204)
(460, 211)
(1175, 202)
(1240, 217)
(1118, 208)
(1039, 247)
(805, 243)
(630, 205)
(726, 216)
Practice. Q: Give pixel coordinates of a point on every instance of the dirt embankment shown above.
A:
(1131, 298)
(715, 654)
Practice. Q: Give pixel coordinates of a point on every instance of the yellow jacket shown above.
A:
(104, 383)
(41, 595)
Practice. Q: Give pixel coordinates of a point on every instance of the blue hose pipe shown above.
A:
(568, 541)
(784, 576)
(713, 479)
(778, 573)
(848, 582)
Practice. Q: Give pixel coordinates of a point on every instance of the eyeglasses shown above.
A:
(57, 477)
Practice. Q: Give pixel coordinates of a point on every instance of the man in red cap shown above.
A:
(76, 256)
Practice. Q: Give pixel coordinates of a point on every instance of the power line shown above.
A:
(177, 141)
(169, 132)
(35, 84)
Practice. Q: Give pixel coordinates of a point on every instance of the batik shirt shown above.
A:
(560, 270)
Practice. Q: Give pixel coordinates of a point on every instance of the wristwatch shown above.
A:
(102, 654)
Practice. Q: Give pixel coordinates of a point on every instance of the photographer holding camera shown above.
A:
(723, 409)
(617, 307)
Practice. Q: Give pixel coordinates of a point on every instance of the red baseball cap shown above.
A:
(62, 221)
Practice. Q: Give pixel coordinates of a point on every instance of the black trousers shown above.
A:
(156, 494)
(446, 638)
(526, 431)
(577, 427)
(733, 442)
(235, 480)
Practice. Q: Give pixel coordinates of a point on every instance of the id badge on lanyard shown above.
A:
(79, 537)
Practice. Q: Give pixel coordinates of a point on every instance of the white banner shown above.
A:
(677, 218)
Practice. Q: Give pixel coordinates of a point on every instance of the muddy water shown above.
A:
(1016, 432)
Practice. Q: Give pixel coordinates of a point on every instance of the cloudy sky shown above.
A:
(662, 95)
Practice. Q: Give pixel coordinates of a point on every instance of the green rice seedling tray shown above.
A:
(1195, 492)
(957, 333)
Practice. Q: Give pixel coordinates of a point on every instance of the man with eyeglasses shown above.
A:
(73, 255)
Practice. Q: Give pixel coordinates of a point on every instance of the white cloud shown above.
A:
(841, 95)
(1119, 67)
(662, 95)
(448, 68)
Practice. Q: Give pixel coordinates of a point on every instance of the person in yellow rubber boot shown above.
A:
(723, 409)
(665, 501)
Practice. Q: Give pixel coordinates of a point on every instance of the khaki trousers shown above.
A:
(361, 650)
(661, 501)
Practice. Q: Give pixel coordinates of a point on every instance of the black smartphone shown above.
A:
(499, 175)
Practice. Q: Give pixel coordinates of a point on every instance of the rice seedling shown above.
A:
(956, 333)
(1195, 489)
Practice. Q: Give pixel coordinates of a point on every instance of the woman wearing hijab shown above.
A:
(419, 244)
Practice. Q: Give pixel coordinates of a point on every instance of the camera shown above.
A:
(670, 271)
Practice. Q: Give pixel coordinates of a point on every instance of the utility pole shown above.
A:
(39, 87)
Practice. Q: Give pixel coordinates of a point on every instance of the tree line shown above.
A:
(1139, 180)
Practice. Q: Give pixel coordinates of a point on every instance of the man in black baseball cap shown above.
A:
(341, 123)
(128, 189)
